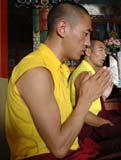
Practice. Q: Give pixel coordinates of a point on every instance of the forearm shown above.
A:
(94, 120)
(60, 137)
(73, 125)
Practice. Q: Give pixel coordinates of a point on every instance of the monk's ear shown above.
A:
(88, 52)
(61, 28)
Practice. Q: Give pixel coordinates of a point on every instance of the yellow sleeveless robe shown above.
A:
(95, 108)
(23, 138)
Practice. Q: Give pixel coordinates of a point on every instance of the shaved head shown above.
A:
(71, 12)
(94, 42)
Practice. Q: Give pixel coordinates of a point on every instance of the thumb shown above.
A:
(87, 76)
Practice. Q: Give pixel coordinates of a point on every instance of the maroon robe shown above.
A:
(89, 150)
(107, 136)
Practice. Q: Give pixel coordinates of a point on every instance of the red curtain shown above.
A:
(3, 39)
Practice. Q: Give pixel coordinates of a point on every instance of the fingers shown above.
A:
(84, 76)
(98, 82)
(110, 123)
(111, 86)
(81, 78)
(107, 85)
(103, 73)
(103, 78)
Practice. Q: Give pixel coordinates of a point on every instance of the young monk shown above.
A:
(100, 125)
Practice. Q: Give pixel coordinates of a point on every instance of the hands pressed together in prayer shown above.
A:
(93, 86)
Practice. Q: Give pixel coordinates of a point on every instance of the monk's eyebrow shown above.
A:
(101, 48)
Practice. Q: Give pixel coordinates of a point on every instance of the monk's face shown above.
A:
(77, 38)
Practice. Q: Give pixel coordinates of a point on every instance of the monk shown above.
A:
(40, 120)
(101, 125)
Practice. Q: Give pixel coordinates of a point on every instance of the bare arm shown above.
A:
(96, 121)
(37, 90)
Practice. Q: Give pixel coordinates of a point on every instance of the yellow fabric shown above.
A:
(22, 135)
(84, 66)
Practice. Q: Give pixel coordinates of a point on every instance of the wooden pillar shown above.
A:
(3, 39)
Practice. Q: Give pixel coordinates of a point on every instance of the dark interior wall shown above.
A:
(20, 33)
(114, 2)
(20, 29)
